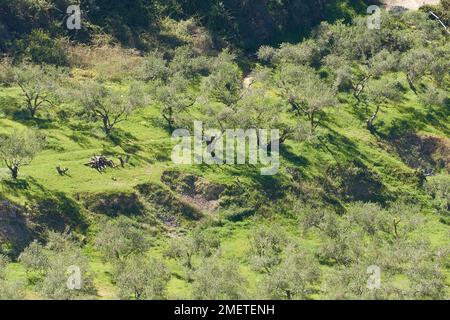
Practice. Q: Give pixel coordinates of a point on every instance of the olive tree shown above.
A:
(34, 258)
(356, 76)
(174, 98)
(266, 247)
(304, 53)
(340, 243)
(62, 268)
(415, 63)
(304, 90)
(38, 85)
(18, 149)
(224, 84)
(258, 109)
(201, 243)
(438, 188)
(142, 278)
(111, 106)
(7, 72)
(351, 283)
(295, 277)
(379, 92)
(189, 64)
(218, 280)
(54, 266)
(434, 97)
(154, 67)
(3, 264)
(10, 290)
(427, 280)
(440, 66)
(120, 238)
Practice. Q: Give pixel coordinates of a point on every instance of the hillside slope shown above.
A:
(350, 193)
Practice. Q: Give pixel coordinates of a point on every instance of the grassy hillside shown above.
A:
(346, 196)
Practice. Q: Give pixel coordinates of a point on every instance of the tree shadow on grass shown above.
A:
(80, 138)
(125, 140)
(340, 146)
(157, 122)
(80, 133)
(15, 230)
(297, 160)
(11, 108)
(413, 120)
(47, 208)
(361, 111)
(437, 117)
(15, 186)
(271, 186)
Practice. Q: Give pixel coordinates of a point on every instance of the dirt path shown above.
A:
(409, 4)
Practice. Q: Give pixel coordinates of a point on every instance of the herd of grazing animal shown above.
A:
(99, 163)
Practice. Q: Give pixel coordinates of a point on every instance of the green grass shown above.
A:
(71, 144)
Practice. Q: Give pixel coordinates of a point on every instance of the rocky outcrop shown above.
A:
(194, 189)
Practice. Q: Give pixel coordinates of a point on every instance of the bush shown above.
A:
(435, 97)
(7, 76)
(3, 264)
(438, 188)
(40, 48)
(106, 62)
(11, 290)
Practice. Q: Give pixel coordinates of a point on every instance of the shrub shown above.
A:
(7, 75)
(40, 47)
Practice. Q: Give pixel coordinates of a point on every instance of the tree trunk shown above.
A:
(311, 117)
(14, 172)
(106, 126)
(370, 125)
(170, 121)
(411, 84)
(396, 223)
(32, 109)
(288, 294)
